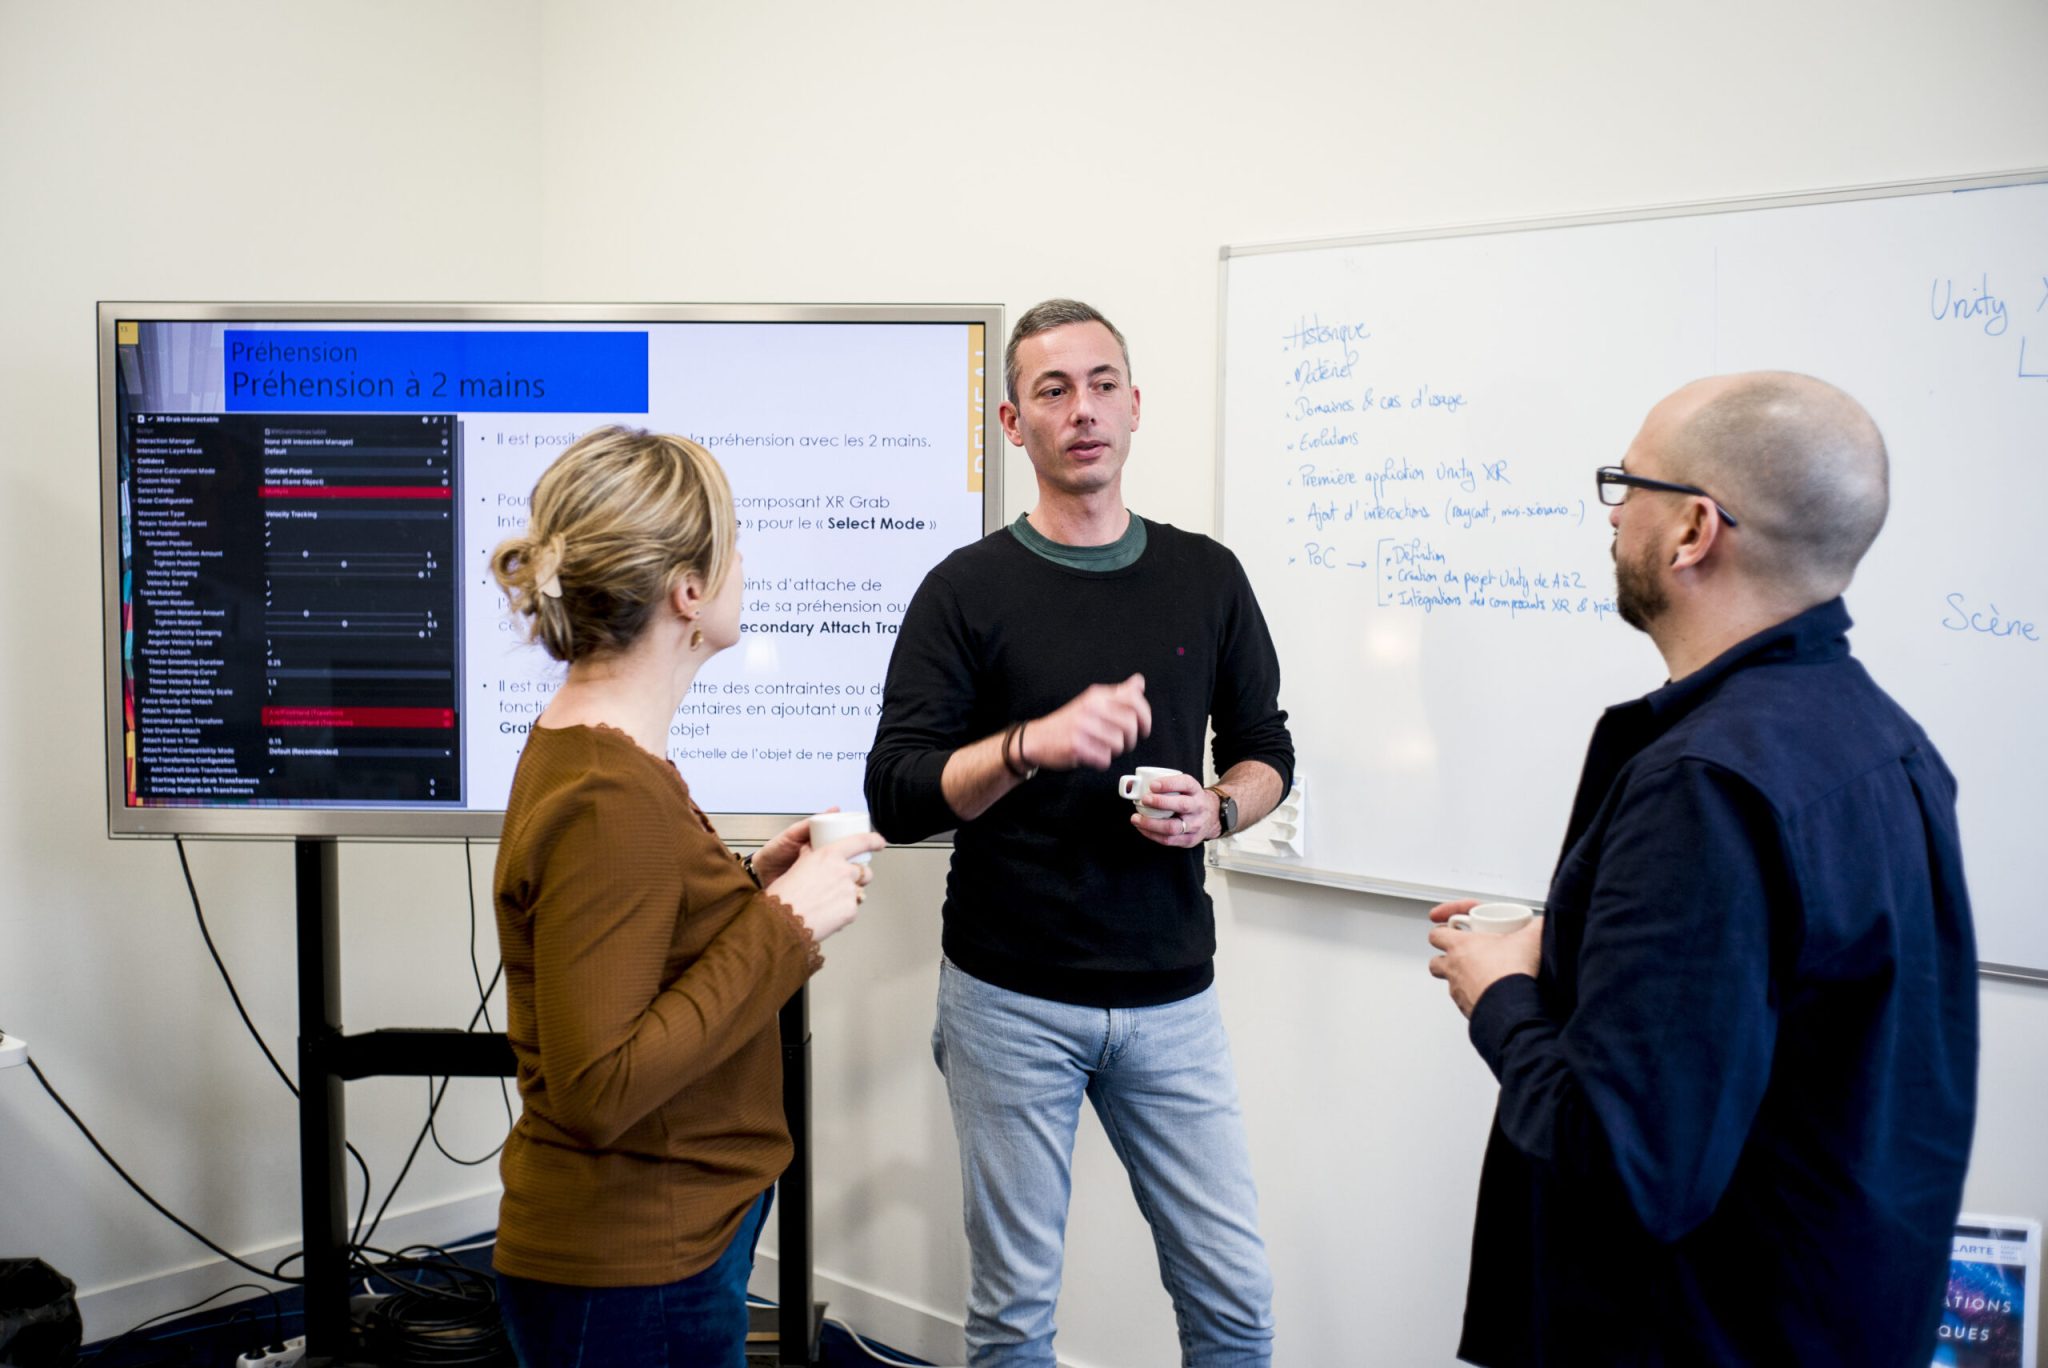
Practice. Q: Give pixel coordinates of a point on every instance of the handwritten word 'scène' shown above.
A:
(1960, 617)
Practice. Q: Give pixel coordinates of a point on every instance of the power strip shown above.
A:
(275, 1356)
(13, 1050)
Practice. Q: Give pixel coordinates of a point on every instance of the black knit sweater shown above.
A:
(1052, 892)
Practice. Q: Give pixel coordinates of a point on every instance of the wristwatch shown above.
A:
(1226, 810)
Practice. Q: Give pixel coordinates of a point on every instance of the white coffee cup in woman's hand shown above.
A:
(824, 886)
(832, 825)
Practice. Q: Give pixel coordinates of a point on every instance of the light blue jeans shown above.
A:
(1160, 1079)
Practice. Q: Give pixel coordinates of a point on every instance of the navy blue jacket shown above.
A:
(1736, 1103)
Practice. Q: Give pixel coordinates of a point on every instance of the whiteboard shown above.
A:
(1408, 432)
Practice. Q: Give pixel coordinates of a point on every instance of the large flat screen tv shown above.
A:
(303, 637)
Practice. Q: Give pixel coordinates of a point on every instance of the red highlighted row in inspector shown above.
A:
(432, 719)
(355, 492)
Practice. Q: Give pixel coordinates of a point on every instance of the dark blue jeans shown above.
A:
(699, 1322)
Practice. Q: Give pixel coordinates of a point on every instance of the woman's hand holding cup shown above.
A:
(824, 886)
(775, 857)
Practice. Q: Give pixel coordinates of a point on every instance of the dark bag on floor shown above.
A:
(39, 1322)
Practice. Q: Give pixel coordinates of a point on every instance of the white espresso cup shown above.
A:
(1494, 918)
(1138, 787)
(827, 827)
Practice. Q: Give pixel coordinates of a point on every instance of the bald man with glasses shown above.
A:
(1738, 1055)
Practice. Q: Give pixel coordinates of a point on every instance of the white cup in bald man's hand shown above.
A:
(1490, 918)
(1138, 787)
(827, 827)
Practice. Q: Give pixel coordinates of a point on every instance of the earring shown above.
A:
(696, 638)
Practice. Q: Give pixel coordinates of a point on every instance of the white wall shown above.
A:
(211, 151)
(782, 151)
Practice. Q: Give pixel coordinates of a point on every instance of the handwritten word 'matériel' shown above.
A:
(1987, 621)
(1321, 370)
(1942, 303)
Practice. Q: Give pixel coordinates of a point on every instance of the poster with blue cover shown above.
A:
(1989, 1317)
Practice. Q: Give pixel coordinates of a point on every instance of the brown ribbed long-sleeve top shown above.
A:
(643, 973)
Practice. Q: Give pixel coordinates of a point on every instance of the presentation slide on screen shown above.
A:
(307, 513)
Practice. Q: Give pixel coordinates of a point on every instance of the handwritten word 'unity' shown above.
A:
(1943, 304)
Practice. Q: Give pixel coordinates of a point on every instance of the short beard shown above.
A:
(1638, 596)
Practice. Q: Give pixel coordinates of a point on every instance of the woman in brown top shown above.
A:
(644, 962)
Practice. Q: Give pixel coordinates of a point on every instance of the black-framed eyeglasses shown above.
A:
(1614, 484)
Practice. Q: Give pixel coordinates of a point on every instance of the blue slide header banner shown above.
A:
(292, 371)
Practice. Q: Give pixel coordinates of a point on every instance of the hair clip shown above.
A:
(547, 567)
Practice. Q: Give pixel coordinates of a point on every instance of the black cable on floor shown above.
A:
(444, 1314)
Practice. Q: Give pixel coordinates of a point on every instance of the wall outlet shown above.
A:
(275, 1356)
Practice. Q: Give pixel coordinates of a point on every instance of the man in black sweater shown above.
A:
(1079, 940)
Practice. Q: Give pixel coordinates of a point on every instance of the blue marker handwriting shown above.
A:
(1319, 370)
(1321, 513)
(1305, 407)
(1311, 331)
(1414, 572)
(1325, 437)
(1489, 514)
(1393, 471)
(1427, 398)
(1386, 491)
(1986, 621)
(1459, 474)
(1424, 398)
(1942, 303)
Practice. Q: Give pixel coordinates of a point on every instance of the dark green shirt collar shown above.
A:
(1117, 555)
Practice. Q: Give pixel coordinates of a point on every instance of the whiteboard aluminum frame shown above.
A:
(1304, 871)
(260, 822)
